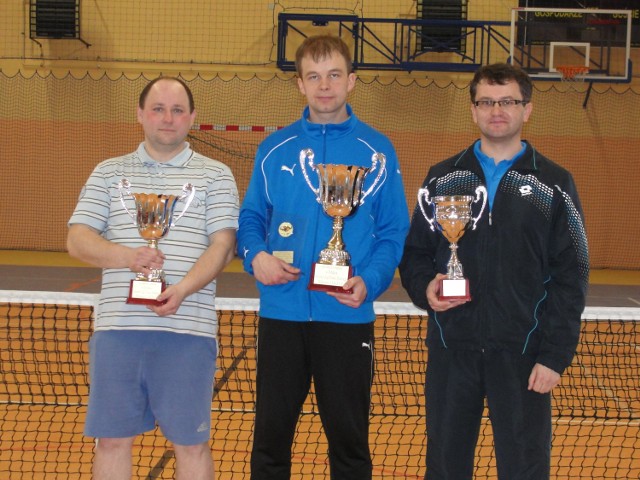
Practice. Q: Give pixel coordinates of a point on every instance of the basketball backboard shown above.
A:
(592, 44)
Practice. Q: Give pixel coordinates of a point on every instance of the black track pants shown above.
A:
(339, 358)
(457, 383)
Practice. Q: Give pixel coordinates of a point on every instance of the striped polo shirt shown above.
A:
(214, 207)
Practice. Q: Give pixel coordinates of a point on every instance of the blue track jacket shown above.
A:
(280, 213)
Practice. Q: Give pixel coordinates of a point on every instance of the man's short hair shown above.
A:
(319, 47)
(145, 91)
(500, 74)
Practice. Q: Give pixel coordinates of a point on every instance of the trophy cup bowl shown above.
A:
(340, 191)
(154, 217)
(452, 216)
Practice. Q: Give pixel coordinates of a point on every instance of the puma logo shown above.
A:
(284, 168)
(366, 345)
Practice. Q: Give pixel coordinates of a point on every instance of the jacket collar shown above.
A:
(527, 162)
(331, 130)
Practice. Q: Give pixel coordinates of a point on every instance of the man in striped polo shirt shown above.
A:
(155, 364)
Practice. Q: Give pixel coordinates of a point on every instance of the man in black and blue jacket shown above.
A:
(303, 333)
(527, 264)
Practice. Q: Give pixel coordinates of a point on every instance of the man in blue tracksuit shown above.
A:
(302, 333)
(527, 264)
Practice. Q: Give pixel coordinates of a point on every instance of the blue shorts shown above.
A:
(142, 378)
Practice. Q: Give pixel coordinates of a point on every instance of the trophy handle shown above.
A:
(375, 158)
(480, 192)
(424, 193)
(189, 193)
(125, 185)
(307, 155)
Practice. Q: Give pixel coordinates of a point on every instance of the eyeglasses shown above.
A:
(507, 103)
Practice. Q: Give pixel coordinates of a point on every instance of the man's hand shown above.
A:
(437, 305)
(354, 299)
(205, 269)
(270, 270)
(170, 299)
(145, 259)
(543, 379)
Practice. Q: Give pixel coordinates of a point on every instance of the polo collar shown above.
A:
(178, 161)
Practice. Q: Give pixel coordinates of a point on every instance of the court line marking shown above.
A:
(158, 468)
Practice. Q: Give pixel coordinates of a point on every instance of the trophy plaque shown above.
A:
(154, 217)
(340, 191)
(452, 216)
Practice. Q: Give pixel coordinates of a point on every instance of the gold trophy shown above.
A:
(452, 216)
(154, 217)
(340, 192)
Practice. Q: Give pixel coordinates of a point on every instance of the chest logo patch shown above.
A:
(285, 229)
(526, 190)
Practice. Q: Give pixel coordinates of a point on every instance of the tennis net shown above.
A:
(44, 389)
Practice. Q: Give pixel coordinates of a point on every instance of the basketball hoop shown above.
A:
(572, 73)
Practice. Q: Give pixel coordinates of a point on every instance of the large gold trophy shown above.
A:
(452, 216)
(154, 217)
(340, 191)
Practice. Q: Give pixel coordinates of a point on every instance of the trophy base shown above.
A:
(329, 278)
(457, 289)
(145, 292)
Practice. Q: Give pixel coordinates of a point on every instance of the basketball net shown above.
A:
(572, 73)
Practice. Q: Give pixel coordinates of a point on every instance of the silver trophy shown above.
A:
(340, 191)
(452, 216)
(154, 217)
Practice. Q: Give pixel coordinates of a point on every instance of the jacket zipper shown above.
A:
(324, 159)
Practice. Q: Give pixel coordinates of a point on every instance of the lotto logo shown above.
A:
(526, 190)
